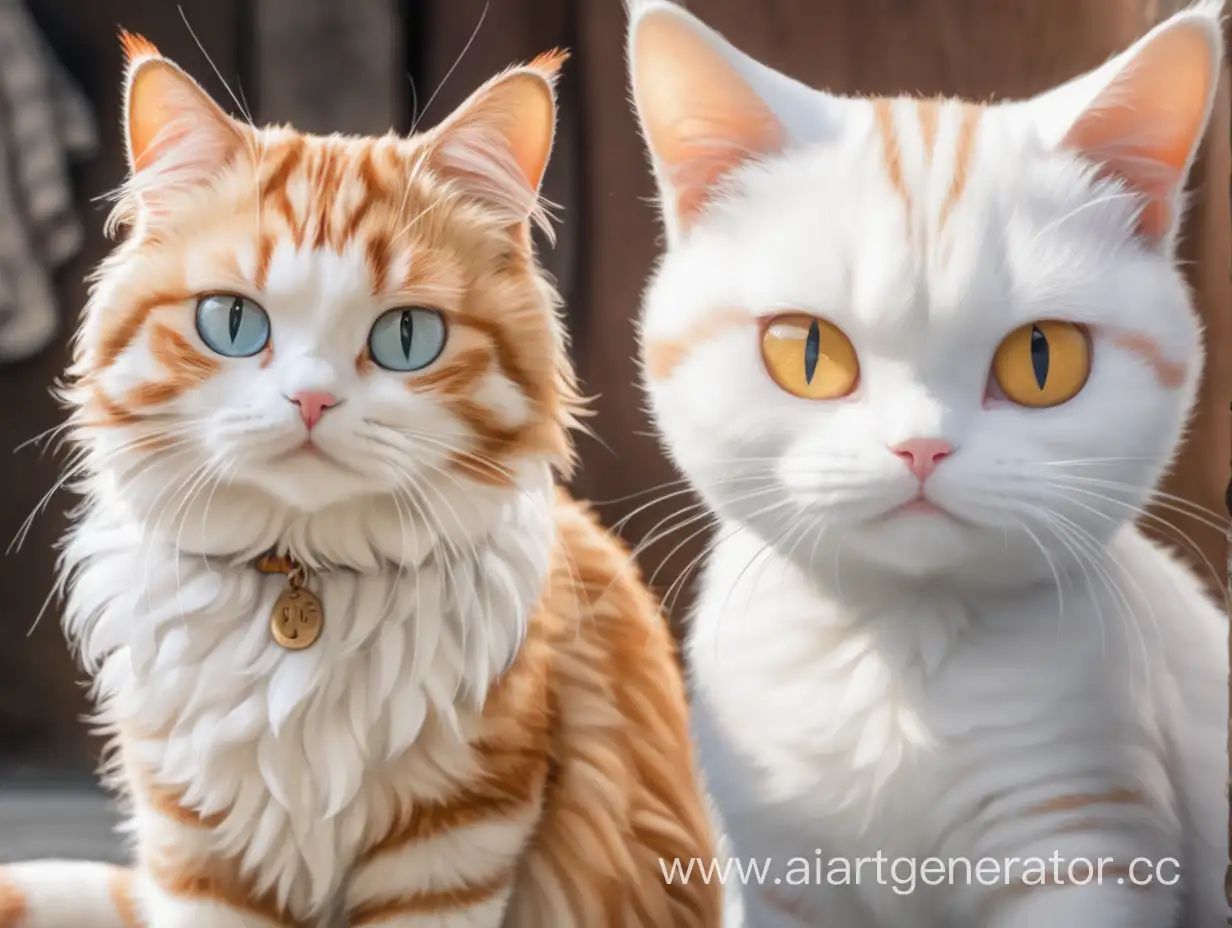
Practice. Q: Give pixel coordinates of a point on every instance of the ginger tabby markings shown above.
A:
(341, 351)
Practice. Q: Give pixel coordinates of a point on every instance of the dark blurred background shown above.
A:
(365, 65)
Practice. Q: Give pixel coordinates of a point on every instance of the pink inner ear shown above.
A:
(149, 111)
(528, 122)
(497, 143)
(701, 117)
(1144, 126)
(167, 111)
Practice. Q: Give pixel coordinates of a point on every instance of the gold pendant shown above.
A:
(297, 619)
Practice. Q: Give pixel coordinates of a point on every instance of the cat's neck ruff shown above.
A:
(208, 703)
(445, 597)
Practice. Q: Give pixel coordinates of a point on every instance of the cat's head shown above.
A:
(297, 322)
(921, 334)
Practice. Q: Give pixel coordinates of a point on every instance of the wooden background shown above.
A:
(300, 60)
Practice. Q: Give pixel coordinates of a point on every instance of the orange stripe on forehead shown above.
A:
(891, 152)
(964, 150)
(663, 356)
(274, 187)
(371, 186)
(325, 192)
(929, 112)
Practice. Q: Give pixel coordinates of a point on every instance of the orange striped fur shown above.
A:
(1170, 374)
(380, 196)
(136, 46)
(585, 738)
(963, 155)
(1117, 796)
(342, 205)
(892, 116)
(548, 796)
(120, 888)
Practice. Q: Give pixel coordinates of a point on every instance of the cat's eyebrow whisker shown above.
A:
(1088, 204)
(483, 15)
(214, 68)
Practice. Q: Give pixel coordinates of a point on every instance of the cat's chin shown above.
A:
(916, 542)
(312, 485)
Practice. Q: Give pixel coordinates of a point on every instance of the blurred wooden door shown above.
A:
(41, 696)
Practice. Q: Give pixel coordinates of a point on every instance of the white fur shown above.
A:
(914, 684)
(426, 579)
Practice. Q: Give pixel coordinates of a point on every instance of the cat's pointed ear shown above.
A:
(176, 136)
(1142, 115)
(699, 106)
(498, 142)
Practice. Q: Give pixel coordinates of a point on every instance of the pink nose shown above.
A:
(921, 455)
(312, 405)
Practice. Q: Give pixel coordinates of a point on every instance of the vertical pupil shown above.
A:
(812, 350)
(236, 317)
(1039, 356)
(407, 329)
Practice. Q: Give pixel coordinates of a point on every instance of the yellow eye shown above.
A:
(809, 357)
(1043, 364)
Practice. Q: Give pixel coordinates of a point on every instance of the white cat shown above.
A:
(926, 361)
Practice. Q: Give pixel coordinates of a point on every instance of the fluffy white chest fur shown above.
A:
(304, 758)
(919, 723)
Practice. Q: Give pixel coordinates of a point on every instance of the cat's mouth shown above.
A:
(308, 450)
(919, 506)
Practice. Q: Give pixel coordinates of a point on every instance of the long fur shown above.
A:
(491, 729)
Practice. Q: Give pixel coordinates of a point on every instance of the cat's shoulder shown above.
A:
(609, 637)
(1162, 577)
(595, 587)
(1159, 561)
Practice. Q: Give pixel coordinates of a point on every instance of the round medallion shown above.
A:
(298, 619)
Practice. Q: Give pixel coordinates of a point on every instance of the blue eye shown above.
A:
(231, 325)
(407, 339)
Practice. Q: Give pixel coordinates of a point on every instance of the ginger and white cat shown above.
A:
(926, 360)
(341, 351)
